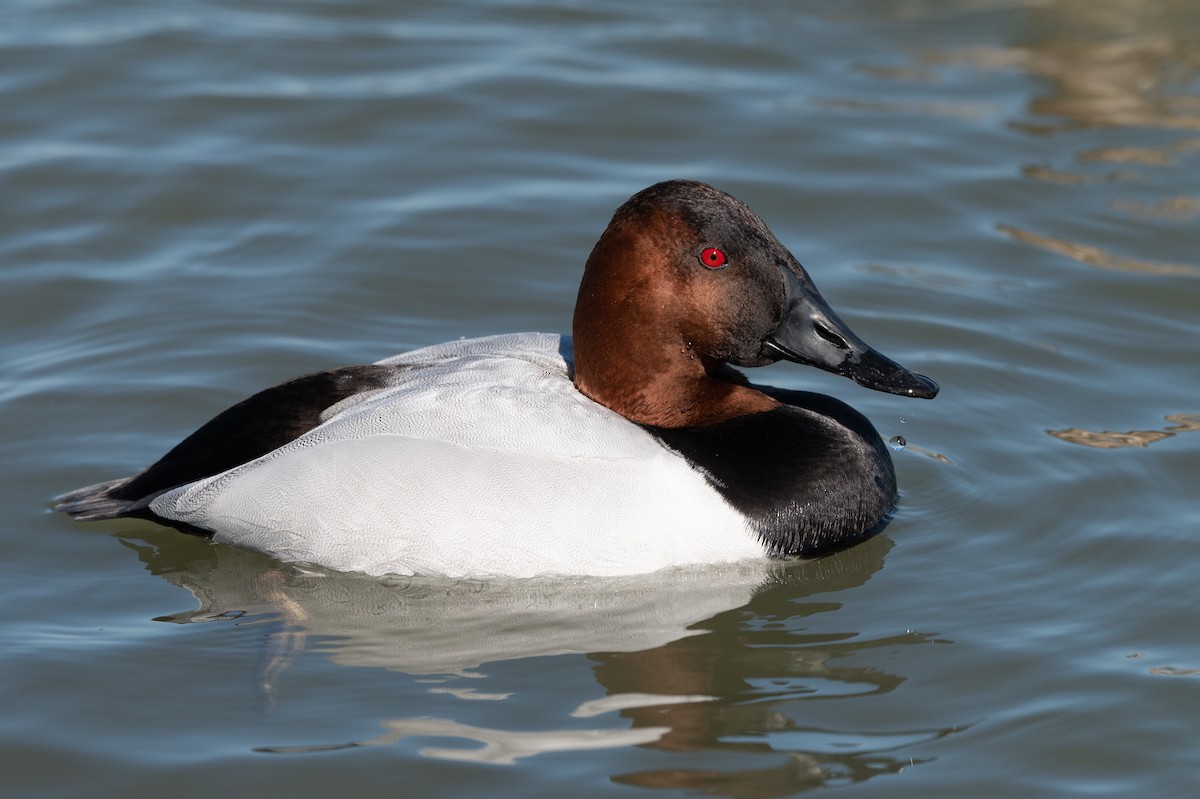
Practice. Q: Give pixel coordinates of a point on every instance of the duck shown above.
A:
(633, 445)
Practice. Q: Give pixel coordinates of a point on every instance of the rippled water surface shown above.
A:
(200, 199)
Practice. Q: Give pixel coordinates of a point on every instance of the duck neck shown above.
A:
(633, 364)
(664, 389)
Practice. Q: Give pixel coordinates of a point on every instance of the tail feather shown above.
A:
(95, 502)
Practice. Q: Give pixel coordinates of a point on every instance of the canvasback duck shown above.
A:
(632, 446)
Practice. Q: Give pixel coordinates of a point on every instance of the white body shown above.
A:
(479, 458)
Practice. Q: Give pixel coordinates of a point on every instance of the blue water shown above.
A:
(198, 200)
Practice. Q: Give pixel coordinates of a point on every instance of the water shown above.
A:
(198, 200)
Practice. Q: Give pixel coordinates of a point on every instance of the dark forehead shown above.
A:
(705, 210)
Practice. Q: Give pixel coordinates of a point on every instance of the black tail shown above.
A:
(93, 503)
(248, 430)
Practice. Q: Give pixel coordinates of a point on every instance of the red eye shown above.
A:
(712, 258)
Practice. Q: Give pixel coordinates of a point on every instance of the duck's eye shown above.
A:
(712, 258)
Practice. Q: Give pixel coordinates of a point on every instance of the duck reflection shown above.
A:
(702, 661)
(763, 666)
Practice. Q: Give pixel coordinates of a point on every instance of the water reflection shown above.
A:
(497, 747)
(1116, 63)
(766, 666)
(1097, 256)
(1110, 439)
(695, 661)
(427, 626)
(1179, 209)
(1121, 66)
(1107, 63)
(1073, 178)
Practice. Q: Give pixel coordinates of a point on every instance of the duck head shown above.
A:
(687, 279)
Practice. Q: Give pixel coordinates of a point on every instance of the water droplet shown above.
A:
(897, 443)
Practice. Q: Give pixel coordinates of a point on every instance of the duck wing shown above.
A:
(252, 428)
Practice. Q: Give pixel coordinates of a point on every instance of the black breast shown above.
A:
(812, 476)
